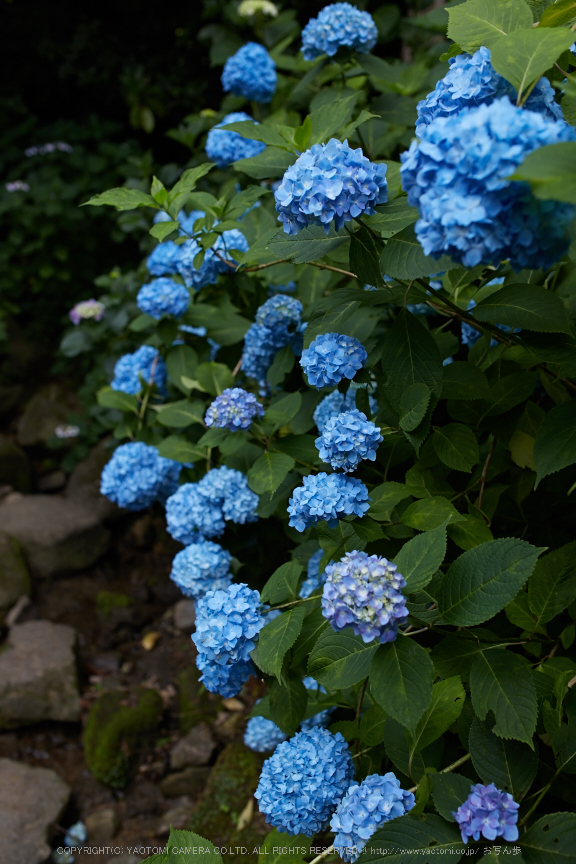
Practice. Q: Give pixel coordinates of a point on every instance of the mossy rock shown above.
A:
(195, 704)
(231, 785)
(115, 731)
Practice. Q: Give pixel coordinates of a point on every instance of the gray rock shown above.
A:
(31, 801)
(38, 675)
(195, 748)
(191, 781)
(52, 482)
(14, 576)
(14, 466)
(40, 418)
(177, 816)
(102, 825)
(84, 484)
(57, 535)
(185, 615)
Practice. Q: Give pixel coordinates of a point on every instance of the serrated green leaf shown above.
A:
(365, 257)
(274, 842)
(162, 229)
(469, 532)
(181, 361)
(552, 585)
(433, 839)
(564, 746)
(180, 450)
(555, 446)
(385, 497)
(464, 381)
(272, 162)
(551, 840)
(184, 847)
(179, 193)
(178, 415)
(420, 558)
(401, 680)
(510, 765)
(403, 257)
(314, 625)
(372, 726)
(410, 356)
(109, 398)
(277, 637)
(449, 792)
(269, 471)
(214, 378)
(523, 56)
(288, 702)
(454, 655)
(282, 410)
(413, 406)
(257, 132)
(393, 216)
(282, 586)
(122, 199)
(340, 660)
(444, 709)
(456, 446)
(525, 306)
(310, 244)
(328, 119)
(500, 682)
(429, 513)
(484, 22)
(282, 365)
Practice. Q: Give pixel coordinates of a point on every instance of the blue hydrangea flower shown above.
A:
(339, 25)
(473, 81)
(304, 780)
(250, 73)
(279, 312)
(163, 296)
(162, 260)
(234, 409)
(347, 439)
(207, 273)
(289, 288)
(365, 592)
(365, 808)
(338, 403)
(313, 579)
(227, 681)
(488, 812)
(224, 147)
(330, 357)
(329, 183)
(273, 329)
(326, 496)
(457, 177)
(262, 735)
(136, 476)
(201, 567)
(131, 368)
(230, 489)
(322, 718)
(76, 835)
(170, 475)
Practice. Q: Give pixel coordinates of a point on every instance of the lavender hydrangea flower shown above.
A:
(162, 260)
(347, 439)
(223, 147)
(329, 183)
(313, 579)
(304, 780)
(339, 25)
(136, 476)
(163, 296)
(338, 403)
(146, 365)
(457, 176)
(487, 812)
(326, 496)
(365, 808)
(250, 73)
(473, 81)
(330, 357)
(274, 328)
(234, 409)
(87, 309)
(365, 592)
(201, 567)
(262, 735)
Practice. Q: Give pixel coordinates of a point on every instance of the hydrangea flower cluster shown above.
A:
(365, 808)
(234, 409)
(339, 25)
(338, 403)
(329, 183)
(472, 81)
(273, 329)
(457, 177)
(163, 296)
(365, 592)
(201, 567)
(304, 780)
(87, 309)
(199, 510)
(162, 260)
(313, 579)
(262, 735)
(227, 625)
(347, 439)
(212, 266)
(250, 73)
(330, 357)
(136, 476)
(145, 364)
(488, 812)
(326, 496)
(224, 147)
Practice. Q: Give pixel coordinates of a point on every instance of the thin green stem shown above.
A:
(450, 768)
(296, 602)
(544, 792)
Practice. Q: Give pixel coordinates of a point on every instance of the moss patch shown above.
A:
(106, 601)
(116, 728)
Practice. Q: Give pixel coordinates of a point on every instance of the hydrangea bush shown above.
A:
(383, 444)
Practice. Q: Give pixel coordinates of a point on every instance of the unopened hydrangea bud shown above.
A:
(87, 309)
(234, 409)
(347, 439)
(250, 73)
(224, 147)
(163, 296)
(326, 496)
(201, 567)
(365, 592)
(330, 357)
(488, 812)
(339, 25)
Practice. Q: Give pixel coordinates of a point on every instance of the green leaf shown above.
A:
(141, 322)
(122, 199)
(184, 847)
(558, 13)
(403, 257)
(214, 437)
(564, 745)
(288, 702)
(277, 637)
(309, 244)
(181, 362)
(372, 726)
(179, 193)
(336, 541)
(410, 356)
(510, 765)
(180, 450)
(429, 513)
(484, 579)
(456, 446)
(328, 119)
(413, 406)
(484, 22)
(464, 381)
(469, 532)
(109, 398)
(551, 172)
(401, 680)
(393, 216)
(269, 471)
(282, 410)
(523, 56)
(552, 585)
(551, 840)
(282, 365)
(214, 377)
(420, 558)
(274, 842)
(365, 257)
(454, 655)
(162, 229)
(555, 446)
(428, 838)
(525, 306)
(385, 497)
(257, 132)
(500, 682)
(244, 200)
(314, 625)
(449, 792)
(340, 660)
(272, 162)
(282, 586)
(178, 415)
(444, 709)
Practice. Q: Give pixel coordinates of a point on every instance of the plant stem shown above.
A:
(544, 792)
(323, 855)
(450, 768)
(296, 602)
(485, 473)
(360, 700)
(146, 398)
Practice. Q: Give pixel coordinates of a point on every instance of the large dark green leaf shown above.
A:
(385, 497)
(552, 585)
(310, 244)
(272, 162)
(525, 306)
(456, 446)
(484, 22)
(365, 257)
(464, 381)
(275, 847)
(179, 449)
(429, 513)
(283, 584)
(558, 13)
(450, 791)
(184, 847)
(181, 361)
(277, 637)
(328, 119)
(288, 702)
(257, 132)
(401, 680)
(523, 56)
(339, 660)
(500, 682)
(109, 398)
(413, 406)
(431, 836)
(403, 257)
(555, 446)
(178, 415)
(410, 356)
(444, 709)
(122, 199)
(551, 840)
(269, 471)
(421, 557)
(214, 377)
(510, 765)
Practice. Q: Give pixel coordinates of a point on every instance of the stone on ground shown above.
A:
(14, 466)
(14, 576)
(84, 484)
(185, 615)
(43, 413)
(177, 816)
(102, 825)
(195, 748)
(190, 781)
